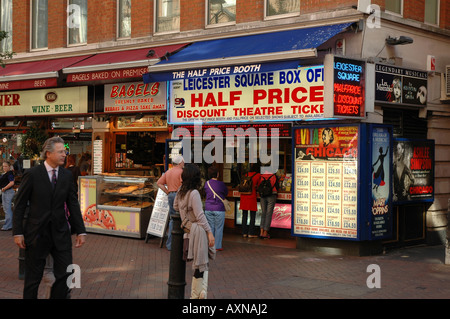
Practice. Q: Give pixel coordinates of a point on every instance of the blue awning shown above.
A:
(260, 53)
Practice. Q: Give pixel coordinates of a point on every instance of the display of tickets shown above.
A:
(325, 195)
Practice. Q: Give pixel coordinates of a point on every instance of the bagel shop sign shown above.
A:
(55, 101)
(280, 95)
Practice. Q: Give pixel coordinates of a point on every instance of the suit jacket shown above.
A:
(37, 205)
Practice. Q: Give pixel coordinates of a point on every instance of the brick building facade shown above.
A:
(362, 42)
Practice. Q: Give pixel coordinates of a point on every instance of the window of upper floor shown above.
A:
(77, 22)
(394, 6)
(221, 12)
(167, 16)
(432, 12)
(123, 19)
(281, 8)
(39, 24)
(6, 24)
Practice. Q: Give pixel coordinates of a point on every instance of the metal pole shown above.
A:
(177, 267)
(447, 239)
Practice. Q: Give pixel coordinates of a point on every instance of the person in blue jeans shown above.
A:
(6, 184)
(214, 207)
(170, 182)
(268, 205)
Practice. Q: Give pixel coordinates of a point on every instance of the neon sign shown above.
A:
(349, 87)
(344, 94)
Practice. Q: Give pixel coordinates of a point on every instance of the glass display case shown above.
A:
(126, 193)
(117, 204)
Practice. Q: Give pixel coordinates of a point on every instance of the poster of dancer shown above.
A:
(381, 203)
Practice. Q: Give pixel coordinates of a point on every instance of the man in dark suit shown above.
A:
(46, 229)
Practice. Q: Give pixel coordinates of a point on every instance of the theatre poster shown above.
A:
(333, 179)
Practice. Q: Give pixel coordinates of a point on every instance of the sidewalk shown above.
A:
(123, 268)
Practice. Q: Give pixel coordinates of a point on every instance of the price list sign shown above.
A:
(326, 182)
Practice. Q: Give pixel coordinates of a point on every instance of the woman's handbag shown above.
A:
(225, 202)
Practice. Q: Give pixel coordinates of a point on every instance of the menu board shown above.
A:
(326, 182)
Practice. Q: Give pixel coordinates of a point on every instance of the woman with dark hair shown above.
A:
(201, 240)
(216, 191)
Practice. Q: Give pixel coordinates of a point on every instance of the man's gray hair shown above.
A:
(49, 145)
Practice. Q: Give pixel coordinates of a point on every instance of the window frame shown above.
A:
(402, 9)
(216, 25)
(438, 14)
(32, 49)
(155, 19)
(68, 29)
(279, 16)
(8, 45)
(118, 35)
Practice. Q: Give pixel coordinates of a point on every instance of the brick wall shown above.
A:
(192, 15)
(102, 20)
(21, 25)
(57, 24)
(141, 18)
(102, 17)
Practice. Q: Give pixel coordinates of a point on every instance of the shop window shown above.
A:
(432, 12)
(124, 18)
(167, 15)
(6, 25)
(394, 6)
(78, 123)
(279, 8)
(221, 11)
(39, 24)
(77, 22)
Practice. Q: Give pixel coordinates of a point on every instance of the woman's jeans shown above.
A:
(267, 206)
(248, 230)
(7, 197)
(172, 211)
(216, 220)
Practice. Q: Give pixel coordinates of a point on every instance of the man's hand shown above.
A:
(20, 241)
(81, 239)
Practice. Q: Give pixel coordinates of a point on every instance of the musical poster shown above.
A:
(325, 194)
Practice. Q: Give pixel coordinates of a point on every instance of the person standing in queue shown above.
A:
(249, 202)
(169, 183)
(43, 192)
(214, 207)
(267, 203)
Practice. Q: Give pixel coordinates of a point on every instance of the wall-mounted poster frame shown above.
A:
(413, 170)
(326, 193)
(333, 180)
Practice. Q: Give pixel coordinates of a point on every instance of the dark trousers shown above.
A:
(35, 258)
(248, 230)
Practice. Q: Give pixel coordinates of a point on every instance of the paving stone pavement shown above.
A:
(247, 269)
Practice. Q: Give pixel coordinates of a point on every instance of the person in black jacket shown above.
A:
(43, 192)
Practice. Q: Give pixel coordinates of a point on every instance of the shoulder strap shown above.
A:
(215, 194)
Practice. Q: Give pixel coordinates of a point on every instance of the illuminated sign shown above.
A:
(400, 86)
(344, 87)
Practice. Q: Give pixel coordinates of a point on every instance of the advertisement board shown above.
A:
(400, 85)
(325, 193)
(55, 101)
(413, 171)
(293, 94)
(380, 203)
(135, 97)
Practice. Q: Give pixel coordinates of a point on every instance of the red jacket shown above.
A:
(249, 201)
